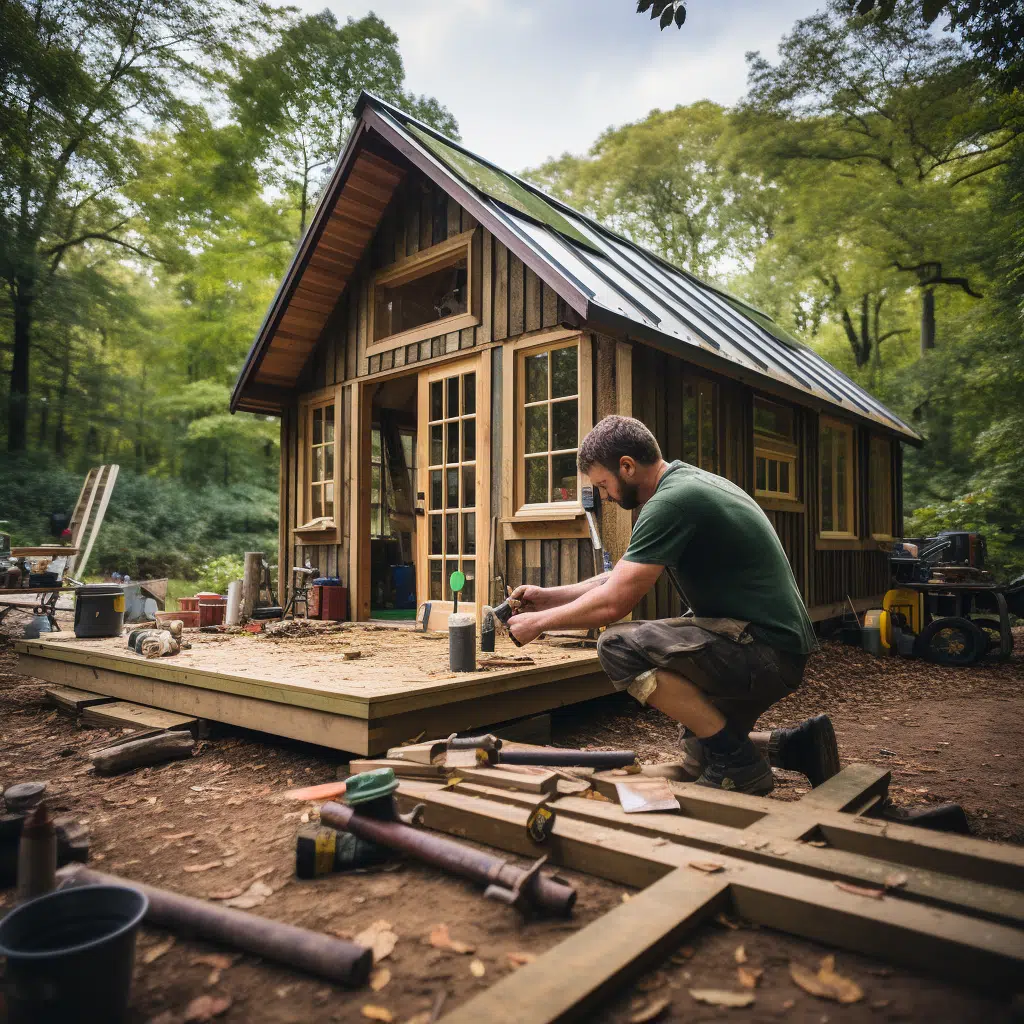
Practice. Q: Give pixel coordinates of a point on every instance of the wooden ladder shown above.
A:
(87, 517)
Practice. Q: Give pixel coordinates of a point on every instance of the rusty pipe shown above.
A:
(346, 963)
(552, 756)
(541, 892)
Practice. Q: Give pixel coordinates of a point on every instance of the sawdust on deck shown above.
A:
(390, 660)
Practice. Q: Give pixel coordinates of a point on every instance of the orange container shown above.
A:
(212, 611)
(188, 604)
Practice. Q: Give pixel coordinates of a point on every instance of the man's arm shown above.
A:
(599, 606)
(537, 599)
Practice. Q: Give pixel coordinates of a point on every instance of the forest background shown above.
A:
(159, 160)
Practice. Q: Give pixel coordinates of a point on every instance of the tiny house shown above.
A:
(447, 333)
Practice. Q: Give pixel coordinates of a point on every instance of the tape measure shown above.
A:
(540, 823)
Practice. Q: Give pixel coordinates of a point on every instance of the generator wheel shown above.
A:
(951, 641)
(994, 634)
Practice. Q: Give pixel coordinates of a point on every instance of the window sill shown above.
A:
(533, 513)
(321, 534)
(844, 542)
(771, 504)
(434, 329)
(546, 522)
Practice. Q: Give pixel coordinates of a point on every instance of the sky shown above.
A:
(531, 79)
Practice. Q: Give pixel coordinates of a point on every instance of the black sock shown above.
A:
(724, 743)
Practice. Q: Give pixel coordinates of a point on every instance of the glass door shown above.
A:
(454, 475)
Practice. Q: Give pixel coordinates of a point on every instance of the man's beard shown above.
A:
(630, 496)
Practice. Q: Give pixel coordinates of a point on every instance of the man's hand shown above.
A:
(534, 599)
(526, 626)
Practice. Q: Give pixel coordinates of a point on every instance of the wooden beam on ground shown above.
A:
(570, 981)
(67, 698)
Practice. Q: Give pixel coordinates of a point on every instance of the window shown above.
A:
(549, 426)
(775, 451)
(836, 479)
(424, 295)
(452, 480)
(382, 486)
(700, 424)
(320, 466)
(880, 488)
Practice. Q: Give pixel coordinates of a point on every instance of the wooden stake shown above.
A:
(251, 583)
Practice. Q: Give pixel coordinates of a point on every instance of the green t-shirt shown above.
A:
(723, 556)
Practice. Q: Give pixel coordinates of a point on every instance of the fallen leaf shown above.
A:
(477, 969)
(707, 866)
(592, 794)
(727, 922)
(826, 984)
(157, 951)
(218, 961)
(789, 1004)
(521, 959)
(722, 997)
(749, 976)
(193, 868)
(284, 991)
(440, 938)
(254, 896)
(860, 890)
(453, 780)
(820, 843)
(626, 897)
(682, 955)
(423, 1017)
(371, 1012)
(380, 938)
(880, 1004)
(896, 880)
(204, 1008)
(740, 956)
(379, 978)
(226, 894)
(652, 1011)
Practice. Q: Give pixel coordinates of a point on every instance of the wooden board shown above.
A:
(134, 716)
(69, 699)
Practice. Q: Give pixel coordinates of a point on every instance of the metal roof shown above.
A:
(629, 286)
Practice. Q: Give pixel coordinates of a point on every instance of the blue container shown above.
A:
(403, 579)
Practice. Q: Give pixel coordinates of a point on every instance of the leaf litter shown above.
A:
(826, 984)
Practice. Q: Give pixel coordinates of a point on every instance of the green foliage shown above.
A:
(153, 527)
(216, 573)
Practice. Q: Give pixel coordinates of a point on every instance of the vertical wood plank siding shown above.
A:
(824, 577)
(514, 300)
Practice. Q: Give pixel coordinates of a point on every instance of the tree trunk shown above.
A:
(65, 378)
(927, 319)
(17, 411)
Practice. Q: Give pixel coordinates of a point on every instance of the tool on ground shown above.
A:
(487, 742)
(37, 855)
(21, 800)
(321, 851)
(540, 824)
(487, 630)
(23, 796)
(325, 791)
(345, 963)
(554, 756)
(602, 560)
(527, 889)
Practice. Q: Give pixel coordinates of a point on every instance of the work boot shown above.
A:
(686, 770)
(809, 748)
(742, 771)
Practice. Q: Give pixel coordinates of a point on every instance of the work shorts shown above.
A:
(741, 676)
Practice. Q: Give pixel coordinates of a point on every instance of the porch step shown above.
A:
(124, 715)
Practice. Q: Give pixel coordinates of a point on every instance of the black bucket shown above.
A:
(70, 955)
(99, 610)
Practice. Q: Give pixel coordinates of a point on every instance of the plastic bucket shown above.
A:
(99, 610)
(70, 955)
(212, 611)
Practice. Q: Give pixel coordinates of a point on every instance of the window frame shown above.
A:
(411, 268)
(850, 432)
(873, 488)
(781, 450)
(328, 533)
(523, 511)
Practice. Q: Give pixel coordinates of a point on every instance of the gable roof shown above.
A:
(608, 280)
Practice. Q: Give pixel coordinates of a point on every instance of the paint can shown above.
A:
(462, 643)
(234, 609)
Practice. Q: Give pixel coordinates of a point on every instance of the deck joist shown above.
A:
(306, 688)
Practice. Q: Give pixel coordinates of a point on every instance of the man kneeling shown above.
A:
(743, 645)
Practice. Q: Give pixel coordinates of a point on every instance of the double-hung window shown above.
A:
(775, 451)
(837, 454)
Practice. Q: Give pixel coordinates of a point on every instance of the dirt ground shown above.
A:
(947, 735)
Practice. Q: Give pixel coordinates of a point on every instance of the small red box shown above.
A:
(332, 603)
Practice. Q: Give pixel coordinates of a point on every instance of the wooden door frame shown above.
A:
(479, 363)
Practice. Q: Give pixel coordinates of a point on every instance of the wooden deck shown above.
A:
(305, 687)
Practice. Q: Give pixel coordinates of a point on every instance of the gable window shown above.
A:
(836, 476)
(554, 412)
(320, 466)
(430, 293)
(880, 488)
(700, 424)
(775, 451)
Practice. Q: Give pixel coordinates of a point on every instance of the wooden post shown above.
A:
(251, 583)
